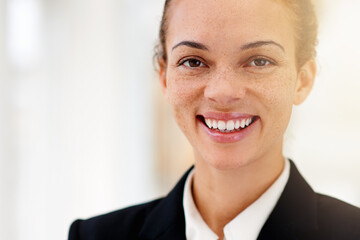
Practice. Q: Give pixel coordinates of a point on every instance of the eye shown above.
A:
(192, 63)
(260, 62)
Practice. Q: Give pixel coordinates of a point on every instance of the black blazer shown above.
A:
(299, 214)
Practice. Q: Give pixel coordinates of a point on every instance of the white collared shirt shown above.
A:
(245, 226)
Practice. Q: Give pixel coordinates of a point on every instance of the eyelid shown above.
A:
(183, 60)
(251, 59)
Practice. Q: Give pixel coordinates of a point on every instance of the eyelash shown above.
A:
(187, 60)
(268, 62)
(249, 64)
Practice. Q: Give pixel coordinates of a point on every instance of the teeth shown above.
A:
(228, 126)
(208, 123)
(215, 125)
(237, 124)
(248, 121)
(242, 124)
(221, 125)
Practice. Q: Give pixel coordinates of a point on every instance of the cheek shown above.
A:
(278, 99)
(183, 96)
(182, 92)
(278, 92)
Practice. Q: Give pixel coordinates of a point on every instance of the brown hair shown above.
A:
(305, 21)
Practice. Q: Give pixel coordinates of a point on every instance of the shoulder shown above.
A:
(335, 215)
(125, 223)
(162, 217)
(301, 213)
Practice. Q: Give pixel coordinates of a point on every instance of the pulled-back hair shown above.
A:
(302, 13)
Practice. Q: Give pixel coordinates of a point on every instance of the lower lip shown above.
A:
(232, 137)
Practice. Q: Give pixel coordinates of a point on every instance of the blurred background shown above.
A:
(84, 128)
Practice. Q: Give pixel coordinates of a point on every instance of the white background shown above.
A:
(77, 117)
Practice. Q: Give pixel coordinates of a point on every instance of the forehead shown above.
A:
(231, 21)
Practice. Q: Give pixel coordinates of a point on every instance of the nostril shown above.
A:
(224, 97)
(225, 91)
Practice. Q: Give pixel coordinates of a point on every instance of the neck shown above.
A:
(220, 195)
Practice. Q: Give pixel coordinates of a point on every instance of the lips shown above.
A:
(227, 127)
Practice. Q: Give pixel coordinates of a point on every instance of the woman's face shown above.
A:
(231, 77)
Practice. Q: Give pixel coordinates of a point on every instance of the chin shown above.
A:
(226, 160)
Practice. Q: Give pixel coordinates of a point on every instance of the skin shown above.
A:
(224, 78)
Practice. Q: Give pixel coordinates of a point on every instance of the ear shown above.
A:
(162, 75)
(305, 81)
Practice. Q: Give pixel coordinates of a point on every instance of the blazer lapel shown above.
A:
(167, 220)
(294, 216)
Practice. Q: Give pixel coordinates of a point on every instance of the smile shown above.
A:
(229, 126)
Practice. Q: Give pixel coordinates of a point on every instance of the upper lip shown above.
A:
(226, 115)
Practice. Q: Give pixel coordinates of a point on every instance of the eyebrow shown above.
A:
(201, 46)
(191, 44)
(260, 44)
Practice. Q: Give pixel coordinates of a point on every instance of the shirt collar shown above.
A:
(247, 225)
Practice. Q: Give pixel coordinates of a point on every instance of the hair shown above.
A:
(302, 13)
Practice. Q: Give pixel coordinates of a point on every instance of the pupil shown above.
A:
(194, 63)
(260, 62)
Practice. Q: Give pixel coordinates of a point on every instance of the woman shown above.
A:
(231, 71)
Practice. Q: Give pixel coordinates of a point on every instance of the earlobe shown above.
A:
(162, 75)
(305, 81)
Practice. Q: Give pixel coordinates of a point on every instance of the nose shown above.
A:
(224, 89)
